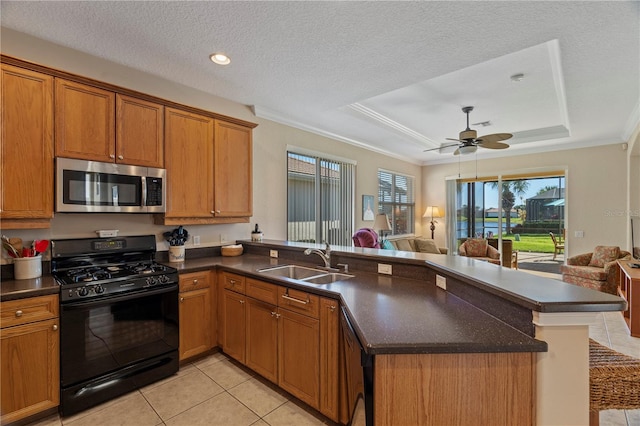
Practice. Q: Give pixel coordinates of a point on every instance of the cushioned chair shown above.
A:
(480, 249)
(366, 237)
(596, 270)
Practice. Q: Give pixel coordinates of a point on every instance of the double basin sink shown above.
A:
(302, 273)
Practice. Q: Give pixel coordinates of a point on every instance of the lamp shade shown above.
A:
(382, 222)
(431, 212)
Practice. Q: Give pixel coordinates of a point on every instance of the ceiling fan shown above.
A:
(469, 141)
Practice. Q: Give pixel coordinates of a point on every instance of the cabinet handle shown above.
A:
(293, 299)
(232, 283)
(112, 156)
(182, 299)
(120, 157)
(241, 302)
(55, 327)
(18, 313)
(213, 213)
(195, 282)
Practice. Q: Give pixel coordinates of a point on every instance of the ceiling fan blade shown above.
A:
(441, 148)
(495, 137)
(493, 145)
(457, 140)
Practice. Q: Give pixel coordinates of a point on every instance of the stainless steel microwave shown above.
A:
(95, 187)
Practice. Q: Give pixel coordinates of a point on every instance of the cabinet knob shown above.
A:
(332, 308)
(213, 212)
(112, 156)
(55, 327)
(232, 282)
(182, 299)
(18, 313)
(242, 302)
(120, 157)
(195, 281)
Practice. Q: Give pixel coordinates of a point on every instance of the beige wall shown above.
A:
(270, 143)
(596, 190)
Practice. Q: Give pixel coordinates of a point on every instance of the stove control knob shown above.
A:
(151, 281)
(98, 289)
(83, 291)
(163, 279)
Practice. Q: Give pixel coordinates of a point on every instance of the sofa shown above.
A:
(596, 270)
(508, 259)
(416, 244)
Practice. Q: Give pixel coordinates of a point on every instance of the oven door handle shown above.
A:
(83, 304)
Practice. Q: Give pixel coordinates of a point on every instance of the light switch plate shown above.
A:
(383, 268)
(273, 253)
(441, 282)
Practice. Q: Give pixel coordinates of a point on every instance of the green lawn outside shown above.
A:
(539, 243)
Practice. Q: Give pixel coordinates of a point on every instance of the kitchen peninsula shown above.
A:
(499, 345)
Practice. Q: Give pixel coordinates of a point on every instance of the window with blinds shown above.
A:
(320, 194)
(396, 199)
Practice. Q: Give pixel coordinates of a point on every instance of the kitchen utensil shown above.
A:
(11, 250)
(16, 243)
(40, 246)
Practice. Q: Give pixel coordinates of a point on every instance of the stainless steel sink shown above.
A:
(302, 273)
(292, 271)
(328, 278)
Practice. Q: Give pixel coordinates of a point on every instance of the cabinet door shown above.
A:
(262, 338)
(195, 322)
(234, 326)
(140, 132)
(26, 144)
(329, 356)
(298, 356)
(30, 369)
(233, 170)
(189, 164)
(85, 122)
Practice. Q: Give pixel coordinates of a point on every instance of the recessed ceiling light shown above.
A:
(220, 58)
(517, 77)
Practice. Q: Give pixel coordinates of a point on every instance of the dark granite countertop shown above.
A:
(19, 289)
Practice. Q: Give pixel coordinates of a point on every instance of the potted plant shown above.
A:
(176, 239)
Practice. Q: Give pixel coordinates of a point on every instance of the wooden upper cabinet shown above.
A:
(233, 170)
(139, 132)
(85, 122)
(26, 144)
(189, 164)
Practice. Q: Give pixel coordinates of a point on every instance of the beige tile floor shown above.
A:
(216, 391)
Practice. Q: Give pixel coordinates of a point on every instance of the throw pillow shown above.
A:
(403, 245)
(426, 246)
(387, 245)
(604, 254)
(476, 247)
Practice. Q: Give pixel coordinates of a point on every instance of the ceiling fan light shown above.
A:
(467, 149)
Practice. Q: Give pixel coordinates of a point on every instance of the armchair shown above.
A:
(596, 270)
(479, 248)
(366, 237)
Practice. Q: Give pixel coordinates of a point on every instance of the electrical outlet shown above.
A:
(273, 253)
(579, 234)
(441, 282)
(383, 268)
(223, 238)
(196, 240)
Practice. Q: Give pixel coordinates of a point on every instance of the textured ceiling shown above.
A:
(391, 76)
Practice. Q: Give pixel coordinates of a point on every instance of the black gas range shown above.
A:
(119, 327)
(96, 267)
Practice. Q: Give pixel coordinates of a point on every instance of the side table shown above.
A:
(629, 289)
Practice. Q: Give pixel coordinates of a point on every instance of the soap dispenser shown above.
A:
(256, 234)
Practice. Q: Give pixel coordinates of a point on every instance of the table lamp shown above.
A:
(432, 212)
(381, 223)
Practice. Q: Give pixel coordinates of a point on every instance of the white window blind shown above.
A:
(396, 198)
(320, 194)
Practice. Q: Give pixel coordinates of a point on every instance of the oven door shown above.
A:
(98, 337)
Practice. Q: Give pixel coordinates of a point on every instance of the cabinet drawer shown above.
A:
(23, 311)
(233, 282)
(261, 290)
(195, 280)
(299, 301)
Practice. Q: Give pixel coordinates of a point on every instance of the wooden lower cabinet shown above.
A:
(288, 336)
(262, 338)
(234, 334)
(30, 352)
(197, 314)
(299, 356)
